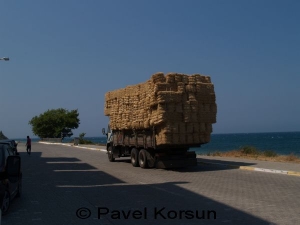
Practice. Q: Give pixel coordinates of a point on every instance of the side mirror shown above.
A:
(13, 166)
(103, 131)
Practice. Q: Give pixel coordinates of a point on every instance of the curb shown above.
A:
(70, 145)
(286, 172)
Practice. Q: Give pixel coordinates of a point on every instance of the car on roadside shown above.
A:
(13, 144)
(10, 177)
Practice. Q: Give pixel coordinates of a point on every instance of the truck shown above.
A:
(155, 123)
(140, 146)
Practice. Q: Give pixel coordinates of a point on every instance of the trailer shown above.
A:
(140, 146)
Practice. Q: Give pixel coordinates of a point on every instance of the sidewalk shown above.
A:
(90, 147)
(231, 162)
(254, 165)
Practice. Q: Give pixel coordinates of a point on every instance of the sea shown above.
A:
(283, 143)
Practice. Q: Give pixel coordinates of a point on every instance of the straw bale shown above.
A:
(207, 79)
(165, 87)
(212, 98)
(191, 87)
(181, 87)
(206, 117)
(171, 107)
(182, 138)
(192, 79)
(200, 87)
(161, 107)
(172, 128)
(196, 128)
(181, 127)
(158, 78)
(200, 107)
(198, 77)
(207, 138)
(170, 77)
(209, 87)
(185, 79)
(169, 116)
(196, 138)
(190, 117)
(202, 127)
(184, 97)
(208, 127)
(179, 107)
(168, 96)
(202, 138)
(176, 139)
(166, 138)
(183, 106)
(192, 97)
(189, 128)
(135, 124)
(191, 107)
(189, 139)
(206, 107)
(213, 108)
(203, 98)
(178, 77)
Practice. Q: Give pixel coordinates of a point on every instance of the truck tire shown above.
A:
(110, 154)
(150, 159)
(135, 157)
(143, 159)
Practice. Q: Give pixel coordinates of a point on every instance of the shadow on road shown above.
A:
(223, 162)
(56, 188)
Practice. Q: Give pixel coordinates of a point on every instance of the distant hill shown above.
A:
(2, 136)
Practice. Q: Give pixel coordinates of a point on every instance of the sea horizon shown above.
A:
(283, 143)
(261, 132)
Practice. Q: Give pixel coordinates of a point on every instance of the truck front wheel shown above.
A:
(135, 157)
(143, 159)
(110, 154)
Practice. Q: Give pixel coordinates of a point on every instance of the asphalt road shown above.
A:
(61, 184)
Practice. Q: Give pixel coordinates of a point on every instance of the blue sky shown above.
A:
(70, 53)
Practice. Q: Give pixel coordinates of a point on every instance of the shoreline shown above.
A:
(252, 158)
(251, 153)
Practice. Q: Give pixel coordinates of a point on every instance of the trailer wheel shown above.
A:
(150, 159)
(143, 159)
(110, 154)
(135, 157)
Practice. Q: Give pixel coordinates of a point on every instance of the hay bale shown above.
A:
(184, 107)
(158, 78)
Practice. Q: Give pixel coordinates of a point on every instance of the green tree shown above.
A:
(2, 136)
(55, 123)
(82, 140)
(81, 136)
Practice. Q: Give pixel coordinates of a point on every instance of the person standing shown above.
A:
(28, 144)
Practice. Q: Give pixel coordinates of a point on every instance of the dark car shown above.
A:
(10, 177)
(13, 144)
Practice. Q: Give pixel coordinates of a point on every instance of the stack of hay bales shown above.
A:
(182, 108)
